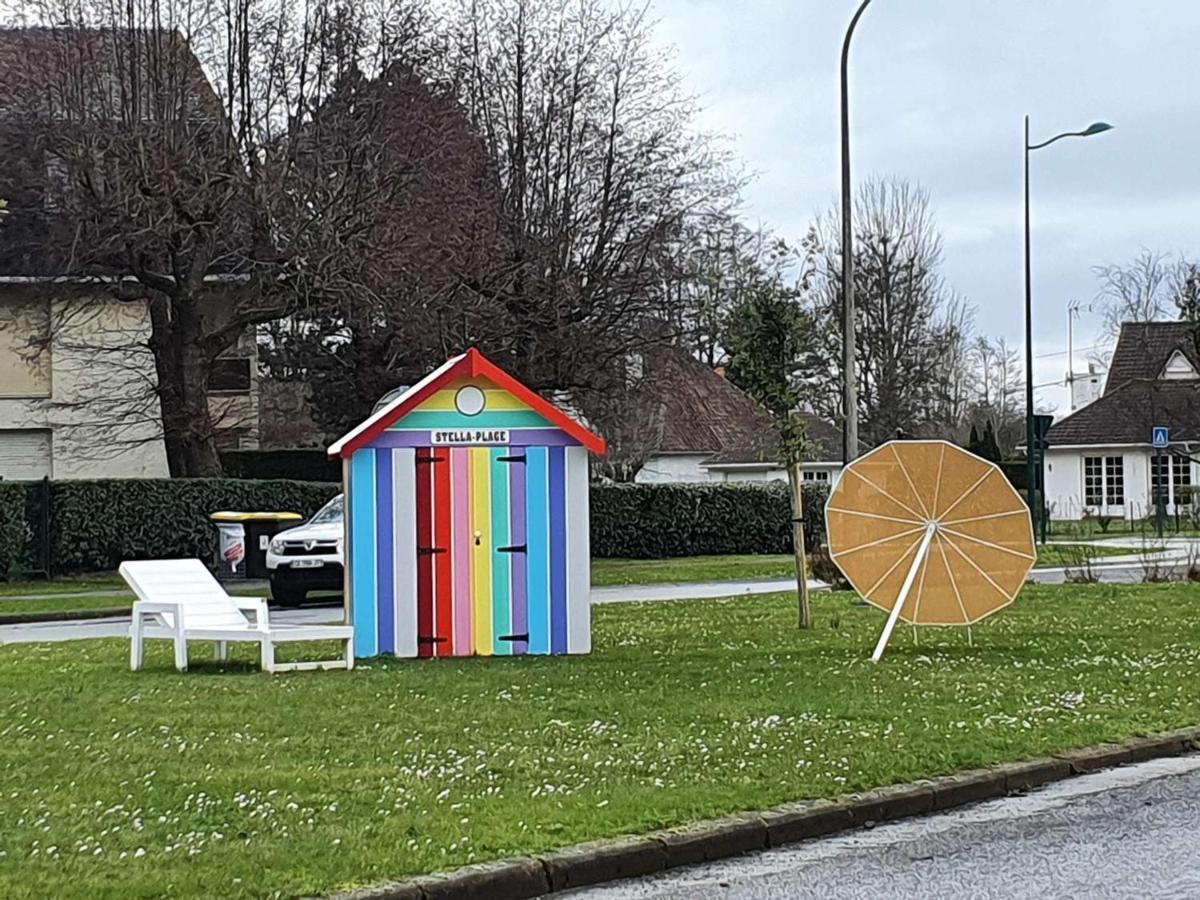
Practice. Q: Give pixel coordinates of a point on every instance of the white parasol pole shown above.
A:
(894, 615)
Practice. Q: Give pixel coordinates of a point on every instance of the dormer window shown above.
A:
(1179, 368)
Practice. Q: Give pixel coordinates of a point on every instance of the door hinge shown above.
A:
(430, 551)
(511, 459)
(516, 548)
(514, 637)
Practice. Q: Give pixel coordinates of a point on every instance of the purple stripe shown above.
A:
(385, 592)
(558, 550)
(520, 561)
(517, 437)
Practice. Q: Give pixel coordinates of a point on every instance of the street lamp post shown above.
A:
(849, 374)
(1030, 472)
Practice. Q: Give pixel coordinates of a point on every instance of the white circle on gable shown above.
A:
(469, 400)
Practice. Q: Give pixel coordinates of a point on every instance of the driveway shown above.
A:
(1130, 832)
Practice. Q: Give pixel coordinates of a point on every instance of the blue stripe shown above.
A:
(501, 562)
(362, 552)
(558, 551)
(501, 418)
(537, 536)
(385, 565)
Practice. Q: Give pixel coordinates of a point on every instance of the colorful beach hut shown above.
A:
(467, 520)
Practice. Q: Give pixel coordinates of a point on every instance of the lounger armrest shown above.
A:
(256, 606)
(159, 607)
(156, 606)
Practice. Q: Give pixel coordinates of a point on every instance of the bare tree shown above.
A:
(161, 150)
(907, 313)
(1151, 287)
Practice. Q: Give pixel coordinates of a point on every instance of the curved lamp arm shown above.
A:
(1094, 128)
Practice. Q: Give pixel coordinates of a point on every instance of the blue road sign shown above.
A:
(1158, 437)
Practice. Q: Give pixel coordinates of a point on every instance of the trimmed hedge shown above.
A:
(298, 465)
(649, 521)
(94, 525)
(12, 524)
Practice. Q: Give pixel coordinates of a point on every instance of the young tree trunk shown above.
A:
(796, 482)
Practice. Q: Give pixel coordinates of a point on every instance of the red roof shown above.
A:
(471, 364)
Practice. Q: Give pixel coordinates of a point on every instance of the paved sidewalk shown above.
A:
(75, 629)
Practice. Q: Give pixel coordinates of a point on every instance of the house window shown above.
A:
(229, 375)
(1114, 480)
(1181, 479)
(815, 475)
(1093, 481)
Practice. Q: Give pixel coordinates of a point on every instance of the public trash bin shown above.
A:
(242, 540)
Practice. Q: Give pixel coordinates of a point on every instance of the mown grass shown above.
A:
(605, 572)
(1071, 555)
(692, 569)
(225, 782)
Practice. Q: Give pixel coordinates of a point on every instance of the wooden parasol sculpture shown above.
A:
(930, 534)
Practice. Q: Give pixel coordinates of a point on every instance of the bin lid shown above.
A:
(228, 516)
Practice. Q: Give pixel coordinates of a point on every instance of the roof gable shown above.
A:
(430, 396)
(1144, 350)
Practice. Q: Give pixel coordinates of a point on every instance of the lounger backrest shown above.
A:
(187, 581)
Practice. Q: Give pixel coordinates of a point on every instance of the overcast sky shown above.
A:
(938, 92)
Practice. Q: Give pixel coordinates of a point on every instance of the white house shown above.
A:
(704, 429)
(1101, 459)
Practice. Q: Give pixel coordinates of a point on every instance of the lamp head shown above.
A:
(1097, 128)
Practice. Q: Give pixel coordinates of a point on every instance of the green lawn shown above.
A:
(1064, 555)
(605, 572)
(225, 782)
(691, 569)
(71, 584)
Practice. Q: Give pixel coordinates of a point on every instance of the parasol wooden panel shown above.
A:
(946, 511)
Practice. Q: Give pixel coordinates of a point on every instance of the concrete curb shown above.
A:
(631, 856)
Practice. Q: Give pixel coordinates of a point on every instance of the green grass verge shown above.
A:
(691, 569)
(1064, 555)
(605, 572)
(73, 584)
(225, 782)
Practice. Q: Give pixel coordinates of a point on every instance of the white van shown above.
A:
(308, 557)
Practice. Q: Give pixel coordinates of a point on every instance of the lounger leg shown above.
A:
(268, 656)
(181, 661)
(222, 651)
(137, 646)
(349, 652)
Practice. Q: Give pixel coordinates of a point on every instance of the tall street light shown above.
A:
(849, 375)
(1030, 472)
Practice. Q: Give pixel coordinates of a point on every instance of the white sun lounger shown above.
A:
(179, 600)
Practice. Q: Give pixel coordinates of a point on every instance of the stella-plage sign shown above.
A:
(468, 437)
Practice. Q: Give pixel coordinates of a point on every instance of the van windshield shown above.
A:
(329, 514)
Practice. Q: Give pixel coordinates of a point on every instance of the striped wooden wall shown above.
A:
(469, 550)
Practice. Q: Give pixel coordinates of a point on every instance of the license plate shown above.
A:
(307, 563)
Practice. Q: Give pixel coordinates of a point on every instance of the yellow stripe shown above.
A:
(495, 398)
(481, 549)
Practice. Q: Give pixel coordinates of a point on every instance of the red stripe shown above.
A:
(443, 587)
(424, 560)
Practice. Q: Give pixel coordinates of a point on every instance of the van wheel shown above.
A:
(288, 595)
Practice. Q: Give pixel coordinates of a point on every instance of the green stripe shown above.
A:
(511, 418)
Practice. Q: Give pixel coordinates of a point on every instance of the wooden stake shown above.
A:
(796, 482)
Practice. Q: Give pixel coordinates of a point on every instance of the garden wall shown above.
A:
(94, 525)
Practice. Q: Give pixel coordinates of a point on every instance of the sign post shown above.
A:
(1041, 427)
(1160, 438)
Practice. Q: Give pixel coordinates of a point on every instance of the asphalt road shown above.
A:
(1132, 832)
(119, 627)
